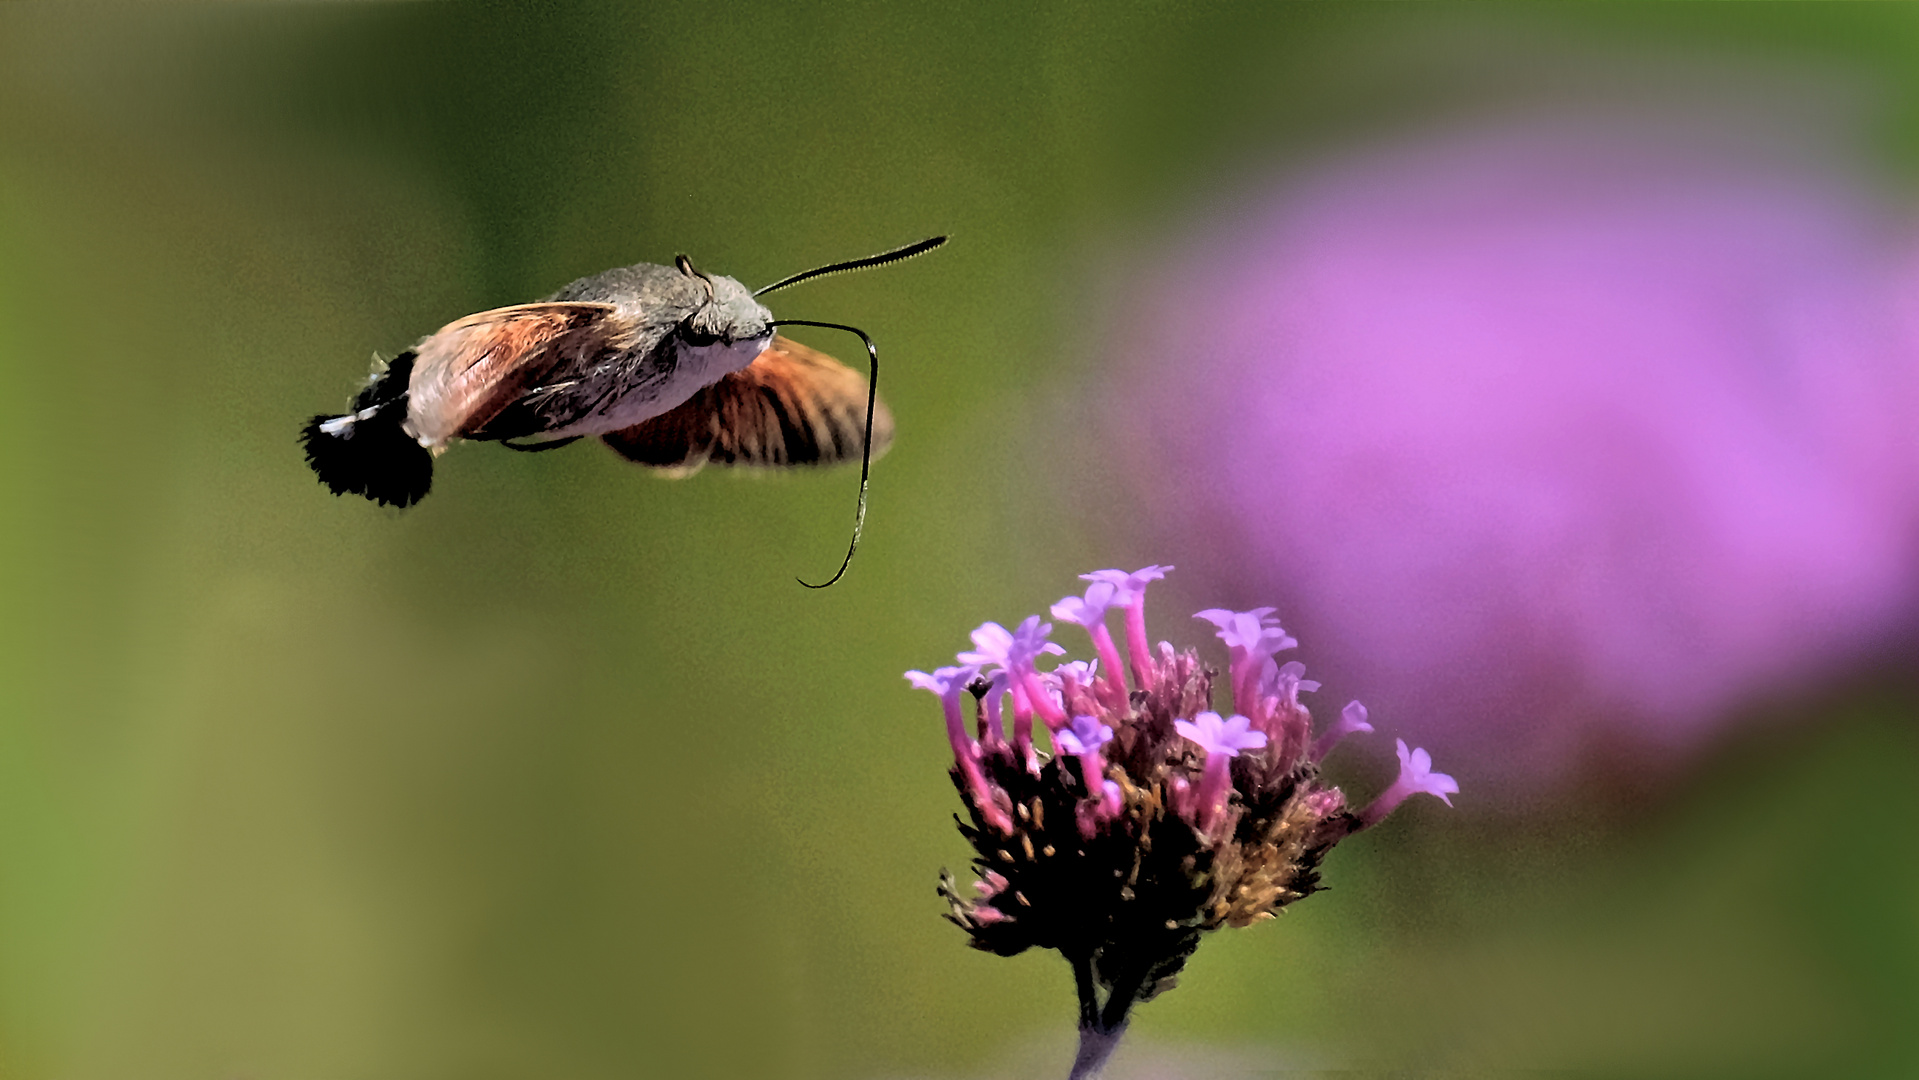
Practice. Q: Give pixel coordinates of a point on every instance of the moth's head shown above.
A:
(729, 313)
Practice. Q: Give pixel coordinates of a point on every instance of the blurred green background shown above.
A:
(560, 774)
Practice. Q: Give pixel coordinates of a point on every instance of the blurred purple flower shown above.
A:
(1547, 436)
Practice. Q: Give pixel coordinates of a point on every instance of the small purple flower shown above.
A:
(1015, 649)
(1085, 736)
(1351, 720)
(992, 644)
(1248, 631)
(1252, 637)
(1222, 740)
(1285, 681)
(1089, 611)
(1014, 652)
(1223, 737)
(1082, 672)
(1276, 708)
(1083, 740)
(1075, 685)
(1130, 593)
(1416, 777)
(1131, 588)
(949, 683)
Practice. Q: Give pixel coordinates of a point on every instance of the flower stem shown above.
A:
(1120, 1002)
(1095, 1046)
(1099, 1028)
(1088, 999)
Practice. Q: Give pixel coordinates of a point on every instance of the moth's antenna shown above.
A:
(872, 396)
(881, 259)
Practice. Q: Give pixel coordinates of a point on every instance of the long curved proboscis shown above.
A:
(881, 259)
(866, 446)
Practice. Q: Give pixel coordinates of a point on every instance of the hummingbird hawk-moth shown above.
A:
(672, 367)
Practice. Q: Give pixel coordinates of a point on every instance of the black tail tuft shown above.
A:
(369, 453)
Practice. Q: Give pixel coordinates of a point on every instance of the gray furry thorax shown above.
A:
(664, 299)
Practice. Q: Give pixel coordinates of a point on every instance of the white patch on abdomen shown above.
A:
(695, 367)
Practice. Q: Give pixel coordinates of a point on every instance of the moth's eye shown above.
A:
(697, 337)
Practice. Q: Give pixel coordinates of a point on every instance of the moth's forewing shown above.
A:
(474, 368)
(791, 406)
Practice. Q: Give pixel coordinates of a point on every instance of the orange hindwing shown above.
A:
(790, 406)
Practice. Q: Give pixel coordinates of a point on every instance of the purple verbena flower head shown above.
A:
(1092, 857)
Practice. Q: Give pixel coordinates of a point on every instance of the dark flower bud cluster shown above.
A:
(1153, 819)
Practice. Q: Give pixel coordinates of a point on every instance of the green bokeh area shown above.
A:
(560, 774)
